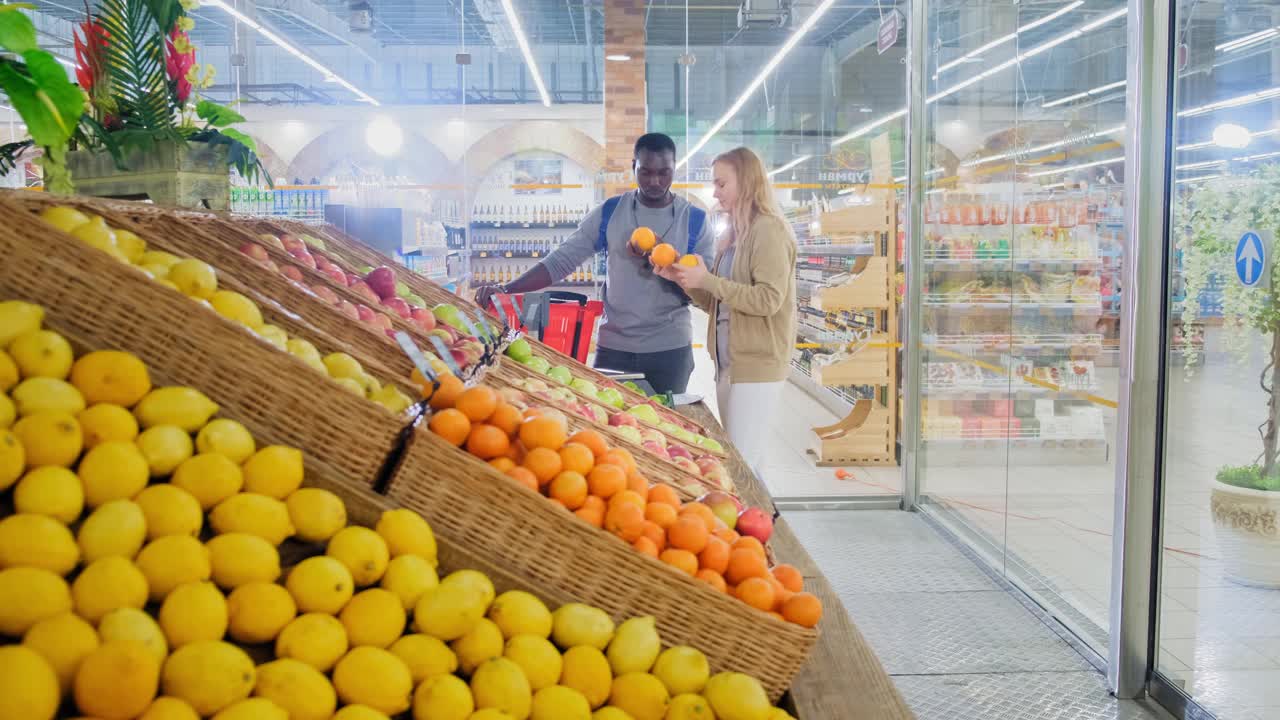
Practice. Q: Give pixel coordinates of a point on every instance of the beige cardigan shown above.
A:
(761, 295)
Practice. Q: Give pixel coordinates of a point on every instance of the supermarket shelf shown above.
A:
(989, 303)
(997, 392)
(523, 226)
(1001, 438)
(1007, 342)
(828, 250)
(1007, 263)
(430, 251)
(508, 254)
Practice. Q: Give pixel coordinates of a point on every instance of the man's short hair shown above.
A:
(656, 143)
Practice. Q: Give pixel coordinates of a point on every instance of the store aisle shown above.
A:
(959, 642)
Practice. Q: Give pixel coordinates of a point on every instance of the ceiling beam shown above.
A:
(320, 19)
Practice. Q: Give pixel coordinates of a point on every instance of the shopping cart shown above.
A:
(563, 320)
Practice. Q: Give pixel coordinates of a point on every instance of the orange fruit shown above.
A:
(656, 534)
(660, 514)
(756, 592)
(644, 239)
(702, 512)
(502, 464)
(689, 260)
(605, 481)
(487, 442)
(803, 609)
(728, 535)
(745, 564)
(789, 576)
(477, 403)
(447, 394)
(577, 458)
(592, 511)
(780, 595)
(507, 417)
(682, 560)
(712, 578)
(545, 464)
(749, 543)
(451, 425)
(638, 485)
(777, 616)
(715, 556)
(593, 440)
(688, 533)
(646, 546)
(661, 493)
(625, 520)
(570, 488)
(542, 432)
(524, 476)
(627, 497)
(620, 456)
(663, 255)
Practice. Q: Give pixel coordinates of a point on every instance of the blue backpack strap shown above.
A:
(606, 214)
(697, 218)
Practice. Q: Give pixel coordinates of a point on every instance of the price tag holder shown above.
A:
(415, 355)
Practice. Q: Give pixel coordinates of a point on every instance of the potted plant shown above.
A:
(1210, 219)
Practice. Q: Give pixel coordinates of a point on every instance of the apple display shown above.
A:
(624, 420)
(423, 318)
(630, 433)
(383, 281)
(255, 251)
(292, 273)
(756, 523)
(560, 374)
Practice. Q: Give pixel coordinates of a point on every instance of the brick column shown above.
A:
(625, 110)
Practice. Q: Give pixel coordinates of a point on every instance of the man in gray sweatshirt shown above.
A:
(647, 327)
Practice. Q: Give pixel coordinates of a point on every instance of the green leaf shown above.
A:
(135, 62)
(244, 139)
(166, 13)
(217, 115)
(43, 109)
(51, 77)
(17, 34)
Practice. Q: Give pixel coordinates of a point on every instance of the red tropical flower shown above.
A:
(90, 44)
(178, 64)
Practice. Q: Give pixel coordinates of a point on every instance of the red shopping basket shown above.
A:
(564, 321)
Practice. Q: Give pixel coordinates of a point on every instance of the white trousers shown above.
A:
(747, 411)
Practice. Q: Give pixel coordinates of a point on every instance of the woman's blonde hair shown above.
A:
(755, 192)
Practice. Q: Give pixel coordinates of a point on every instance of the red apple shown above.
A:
(292, 272)
(725, 506)
(654, 448)
(424, 318)
(459, 357)
(255, 251)
(382, 320)
(271, 240)
(366, 293)
(383, 281)
(720, 478)
(325, 293)
(304, 257)
(366, 313)
(399, 307)
(322, 262)
(270, 265)
(756, 523)
(291, 243)
(676, 451)
(349, 309)
(623, 419)
(685, 463)
(706, 464)
(336, 274)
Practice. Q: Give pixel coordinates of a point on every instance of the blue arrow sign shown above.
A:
(1251, 259)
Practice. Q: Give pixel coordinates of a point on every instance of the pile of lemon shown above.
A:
(199, 281)
(141, 577)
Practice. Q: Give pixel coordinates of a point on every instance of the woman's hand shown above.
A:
(688, 277)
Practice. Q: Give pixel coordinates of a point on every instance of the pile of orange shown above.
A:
(601, 486)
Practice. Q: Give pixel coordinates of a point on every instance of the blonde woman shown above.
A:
(750, 295)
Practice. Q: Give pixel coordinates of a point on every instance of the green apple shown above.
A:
(585, 387)
(449, 315)
(645, 414)
(705, 442)
(613, 397)
(538, 364)
(630, 433)
(520, 350)
(415, 301)
(402, 290)
(560, 374)
(632, 386)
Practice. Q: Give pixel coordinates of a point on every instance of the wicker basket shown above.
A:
(475, 506)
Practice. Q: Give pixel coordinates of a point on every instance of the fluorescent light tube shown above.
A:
(793, 163)
(1237, 101)
(1247, 40)
(1081, 166)
(523, 42)
(1087, 93)
(974, 55)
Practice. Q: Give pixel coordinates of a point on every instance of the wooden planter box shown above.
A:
(192, 175)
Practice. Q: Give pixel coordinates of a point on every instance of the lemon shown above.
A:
(210, 477)
(159, 273)
(117, 527)
(169, 510)
(50, 490)
(63, 641)
(363, 551)
(185, 407)
(610, 713)
(226, 437)
(236, 307)
(194, 612)
(41, 353)
(254, 514)
(443, 697)
(37, 541)
(258, 611)
(448, 612)
(500, 684)
(369, 384)
(112, 471)
(682, 669)
(28, 685)
(117, 680)
(483, 642)
(342, 365)
(42, 394)
(489, 714)
(159, 257)
(316, 639)
(320, 584)
(274, 335)
(317, 514)
(239, 558)
(425, 656)
(374, 677)
(97, 234)
(17, 318)
(587, 670)
(778, 713)
(359, 712)
(274, 471)
(539, 660)
(108, 584)
(689, 707)
(8, 411)
(641, 695)
(131, 245)
(13, 458)
(558, 702)
(49, 438)
(29, 595)
(252, 709)
(194, 278)
(171, 561)
(111, 376)
(407, 533)
(576, 624)
(136, 625)
(104, 422)
(391, 398)
(734, 696)
(409, 577)
(167, 708)
(519, 613)
(64, 218)
(208, 676)
(373, 617)
(8, 372)
(297, 688)
(165, 447)
(350, 385)
(635, 646)
(302, 348)
(475, 582)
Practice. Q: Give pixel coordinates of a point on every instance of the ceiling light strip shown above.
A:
(769, 67)
(289, 48)
(1082, 166)
(1087, 93)
(1210, 143)
(1247, 40)
(793, 163)
(523, 42)
(975, 54)
(1237, 101)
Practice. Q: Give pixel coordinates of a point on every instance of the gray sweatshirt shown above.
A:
(643, 312)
